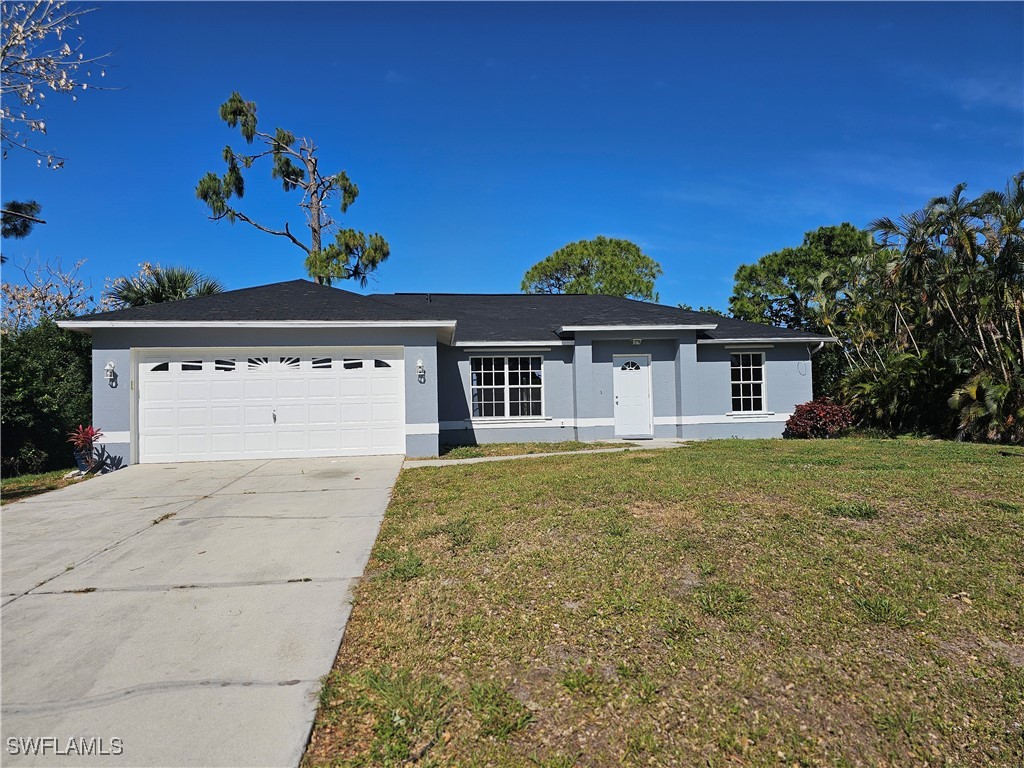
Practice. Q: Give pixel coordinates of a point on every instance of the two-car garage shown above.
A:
(217, 404)
(287, 370)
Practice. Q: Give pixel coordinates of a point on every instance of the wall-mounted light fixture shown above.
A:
(109, 371)
(420, 368)
(636, 342)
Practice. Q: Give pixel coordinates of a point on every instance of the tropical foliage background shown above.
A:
(928, 309)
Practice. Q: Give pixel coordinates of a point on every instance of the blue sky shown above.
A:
(485, 136)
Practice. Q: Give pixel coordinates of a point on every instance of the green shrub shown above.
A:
(46, 390)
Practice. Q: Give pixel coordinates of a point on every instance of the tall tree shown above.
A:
(780, 288)
(602, 265)
(960, 262)
(155, 285)
(352, 256)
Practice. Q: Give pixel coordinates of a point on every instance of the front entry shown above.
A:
(632, 385)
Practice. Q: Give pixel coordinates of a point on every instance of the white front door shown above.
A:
(632, 385)
(203, 404)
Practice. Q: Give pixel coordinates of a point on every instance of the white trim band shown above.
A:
(632, 328)
(772, 340)
(421, 429)
(659, 421)
(73, 324)
(539, 345)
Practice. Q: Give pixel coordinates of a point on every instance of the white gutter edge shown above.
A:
(76, 324)
(488, 344)
(596, 328)
(772, 340)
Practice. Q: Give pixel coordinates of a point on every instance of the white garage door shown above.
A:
(202, 405)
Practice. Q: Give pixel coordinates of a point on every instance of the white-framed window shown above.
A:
(747, 374)
(506, 387)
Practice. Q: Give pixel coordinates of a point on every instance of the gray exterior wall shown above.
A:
(454, 394)
(112, 406)
(691, 390)
(690, 383)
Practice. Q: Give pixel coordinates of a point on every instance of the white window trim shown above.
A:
(764, 388)
(506, 418)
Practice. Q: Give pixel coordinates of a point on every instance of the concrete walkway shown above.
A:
(657, 444)
(188, 610)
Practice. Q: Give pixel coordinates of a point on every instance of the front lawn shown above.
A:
(835, 603)
(524, 449)
(23, 486)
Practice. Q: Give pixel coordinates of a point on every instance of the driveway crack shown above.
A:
(135, 691)
(119, 542)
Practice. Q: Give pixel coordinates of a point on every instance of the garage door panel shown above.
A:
(354, 438)
(193, 390)
(258, 442)
(212, 404)
(159, 391)
(355, 387)
(323, 439)
(158, 417)
(323, 413)
(384, 387)
(291, 389)
(225, 416)
(355, 413)
(385, 412)
(193, 444)
(323, 387)
(193, 417)
(384, 437)
(288, 415)
(258, 416)
(161, 445)
(259, 386)
(230, 390)
(226, 443)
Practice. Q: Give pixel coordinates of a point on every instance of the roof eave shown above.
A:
(445, 328)
(772, 340)
(645, 327)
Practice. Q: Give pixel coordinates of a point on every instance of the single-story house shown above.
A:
(298, 369)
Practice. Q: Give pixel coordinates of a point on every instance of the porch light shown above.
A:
(636, 342)
(108, 371)
(421, 370)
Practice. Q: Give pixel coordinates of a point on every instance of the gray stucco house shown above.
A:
(300, 369)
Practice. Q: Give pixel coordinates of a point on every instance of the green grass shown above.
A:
(523, 449)
(834, 603)
(23, 486)
(855, 510)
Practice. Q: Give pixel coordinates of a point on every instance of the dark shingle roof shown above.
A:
(535, 317)
(300, 300)
(479, 316)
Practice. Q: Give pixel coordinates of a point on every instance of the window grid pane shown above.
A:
(747, 377)
(503, 386)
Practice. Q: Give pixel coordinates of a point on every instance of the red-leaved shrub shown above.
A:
(818, 418)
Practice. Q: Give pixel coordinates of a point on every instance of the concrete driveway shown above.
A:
(186, 610)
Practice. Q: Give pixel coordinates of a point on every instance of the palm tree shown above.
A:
(155, 285)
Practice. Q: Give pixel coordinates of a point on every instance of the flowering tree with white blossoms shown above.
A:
(41, 52)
